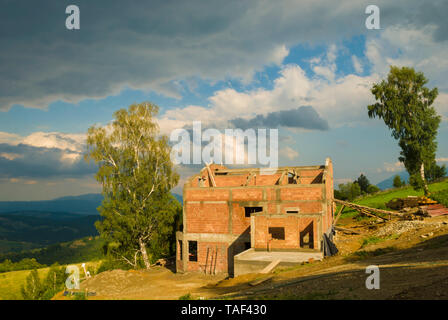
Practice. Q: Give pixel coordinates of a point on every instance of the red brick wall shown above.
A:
(306, 193)
(330, 195)
(293, 225)
(247, 194)
(230, 180)
(266, 179)
(260, 232)
(306, 176)
(271, 194)
(272, 207)
(207, 217)
(221, 257)
(239, 221)
(206, 194)
(262, 237)
(304, 207)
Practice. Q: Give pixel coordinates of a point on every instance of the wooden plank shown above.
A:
(339, 214)
(270, 266)
(279, 181)
(354, 206)
(346, 230)
(212, 178)
(211, 260)
(249, 177)
(367, 210)
(216, 258)
(206, 259)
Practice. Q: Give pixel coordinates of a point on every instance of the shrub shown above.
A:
(441, 197)
(24, 264)
(372, 189)
(112, 264)
(435, 172)
(35, 289)
(397, 181)
(363, 183)
(186, 297)
(349, 191)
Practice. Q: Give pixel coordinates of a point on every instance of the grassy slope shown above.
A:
(379, 199)
(11, 282)
(43, 228)
(15, 246)
(65, 252)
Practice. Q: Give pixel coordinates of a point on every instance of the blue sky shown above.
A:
(212, 62)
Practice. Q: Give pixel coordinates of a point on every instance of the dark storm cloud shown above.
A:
(434, 12)
(149, 44)
(24, 161)
(304, 117)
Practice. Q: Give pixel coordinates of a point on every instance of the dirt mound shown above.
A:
(113, 282)
(156, 283)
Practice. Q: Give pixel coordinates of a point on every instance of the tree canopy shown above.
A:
(397, 181)
(405, 105)
(363, 182)
(348, 191)
(136, 173)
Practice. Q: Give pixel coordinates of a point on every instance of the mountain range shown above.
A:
(86, 204)
(389, 182)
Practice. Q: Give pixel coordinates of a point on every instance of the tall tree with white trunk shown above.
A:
(405, 105)
(135, 170)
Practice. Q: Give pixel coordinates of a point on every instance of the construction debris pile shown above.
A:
(414, 207)
(399, 227)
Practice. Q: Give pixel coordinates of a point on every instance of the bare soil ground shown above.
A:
(412, 257)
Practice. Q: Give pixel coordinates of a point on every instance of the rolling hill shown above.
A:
(84, 204)
(389, 182)
(26, 225)
(22, 230)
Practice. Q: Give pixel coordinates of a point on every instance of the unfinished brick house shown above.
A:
(237, 221)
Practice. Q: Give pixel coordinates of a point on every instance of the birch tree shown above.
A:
(136, 174)
(405, 105)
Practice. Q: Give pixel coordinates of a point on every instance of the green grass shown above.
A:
(85, 249)
(379, 199)
(371, 240)
(15, 246)
(374, 239)
(441, 197)
(11, 282)
(186, 297)
(79, 296)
